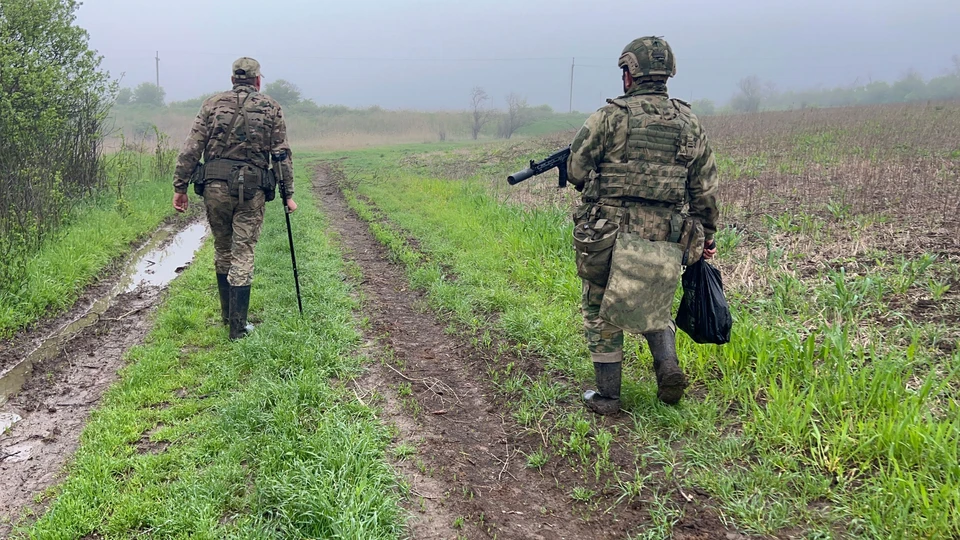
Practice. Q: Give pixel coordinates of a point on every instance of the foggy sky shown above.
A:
(428, 54)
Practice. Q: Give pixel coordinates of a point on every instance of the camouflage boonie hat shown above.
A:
(648, 56)
(246, 68)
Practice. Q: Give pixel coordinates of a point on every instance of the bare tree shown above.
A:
(481, 115)
(518, 115)
(750, 96)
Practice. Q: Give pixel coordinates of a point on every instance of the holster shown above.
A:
(197, 179)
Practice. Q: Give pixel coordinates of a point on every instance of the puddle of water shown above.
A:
(160, 267)
(148, 266)
(7, 420)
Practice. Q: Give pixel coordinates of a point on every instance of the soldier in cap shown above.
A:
(643, 163)
(236, 133)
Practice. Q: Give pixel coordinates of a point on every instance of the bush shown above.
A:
(53, 101)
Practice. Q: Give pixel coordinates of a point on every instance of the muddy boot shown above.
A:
(670, 379)
(239, 304)
(224, 287)
(606, 399)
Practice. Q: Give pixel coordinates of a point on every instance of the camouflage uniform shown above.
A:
(639, 160)
(221, 132)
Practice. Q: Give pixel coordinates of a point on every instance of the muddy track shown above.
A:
(60, 390)
(470, 461)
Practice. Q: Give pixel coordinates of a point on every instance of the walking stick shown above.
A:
(277, 160)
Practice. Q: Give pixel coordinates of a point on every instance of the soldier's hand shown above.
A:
(709, 249)
(291, 206)
(180, 202)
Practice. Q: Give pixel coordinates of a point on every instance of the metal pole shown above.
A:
(572, 65)
(277, 159)
(158, 69)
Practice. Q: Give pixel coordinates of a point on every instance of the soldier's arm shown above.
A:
(279, 143)
(192, 150)
(586, 150)
(702, 187)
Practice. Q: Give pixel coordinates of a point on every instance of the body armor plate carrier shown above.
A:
(661, 146)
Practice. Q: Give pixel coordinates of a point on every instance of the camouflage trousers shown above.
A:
(604, 340)
(236, 228)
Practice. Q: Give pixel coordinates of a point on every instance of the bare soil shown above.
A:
(468, 475)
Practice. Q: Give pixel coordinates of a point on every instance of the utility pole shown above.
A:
(158, 69)
(572, 65)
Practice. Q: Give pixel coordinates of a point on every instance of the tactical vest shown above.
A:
(661, 145)
(244, 176)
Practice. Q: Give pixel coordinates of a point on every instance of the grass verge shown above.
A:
(204, 438)
(97, 234)
(818, 419)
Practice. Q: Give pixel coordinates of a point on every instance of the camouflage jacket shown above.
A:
(603, 138)
(268, 134)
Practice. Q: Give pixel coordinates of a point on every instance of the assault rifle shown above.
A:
(558, 160)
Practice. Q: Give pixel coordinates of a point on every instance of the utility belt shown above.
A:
(632, 201)
(243, 179)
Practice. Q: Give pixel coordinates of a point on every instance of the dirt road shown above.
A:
(53, 376)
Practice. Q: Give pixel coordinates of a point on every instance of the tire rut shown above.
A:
(60, 393)
(469, 464)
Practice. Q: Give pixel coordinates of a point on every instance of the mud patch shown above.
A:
(63, 379)
(461, 454)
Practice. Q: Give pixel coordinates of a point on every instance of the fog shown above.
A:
(428, 54)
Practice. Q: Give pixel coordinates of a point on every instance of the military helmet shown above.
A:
(648, 56)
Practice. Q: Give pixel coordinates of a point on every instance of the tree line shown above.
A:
(754, 94)
(517, 114)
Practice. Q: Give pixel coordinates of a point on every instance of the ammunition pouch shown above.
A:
(691, 240)
(594, 241)
(243, 179)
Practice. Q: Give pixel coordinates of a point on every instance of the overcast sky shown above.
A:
(427, 54)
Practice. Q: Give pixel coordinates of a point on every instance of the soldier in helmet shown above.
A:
(236, 133)
(642, 162)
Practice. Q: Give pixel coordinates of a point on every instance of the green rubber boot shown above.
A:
(605, 400)
(239, 304)
(671, 381)
(224, 287)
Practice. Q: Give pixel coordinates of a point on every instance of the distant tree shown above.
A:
(481, 115)
(750, 95)
(517, 116)
(124, 96)
(910, 87)
(286, 93)
(307, 107)
(956, 65)
(704, 107)
(944, 88)
(192, 103)
(149, 94)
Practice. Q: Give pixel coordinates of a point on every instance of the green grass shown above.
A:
(553, 123)
(262, 438)
(818, 415)
(97, 233)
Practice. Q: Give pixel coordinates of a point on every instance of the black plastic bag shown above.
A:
(704, 314)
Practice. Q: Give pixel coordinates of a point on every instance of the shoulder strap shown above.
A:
(233, 122)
